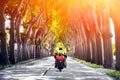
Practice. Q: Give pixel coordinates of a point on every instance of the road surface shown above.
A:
(43, 69)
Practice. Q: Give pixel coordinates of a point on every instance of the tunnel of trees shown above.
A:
(30, 29)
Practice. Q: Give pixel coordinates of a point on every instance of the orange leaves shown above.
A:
(12, 4)
(63, 17)
(58, 17)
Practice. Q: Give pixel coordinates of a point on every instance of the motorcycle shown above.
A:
(59, 64)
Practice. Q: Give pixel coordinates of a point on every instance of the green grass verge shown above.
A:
(89, 63)
(4, 66)
(115, 74)
(27, 61)
(10, 65)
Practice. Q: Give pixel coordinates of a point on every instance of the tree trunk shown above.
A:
(108, 57)
(107, 41)
(88, 43)
(0, 51)
(24, 51)
(19, 52)
(99, 44)
(4, 50)
(40, 47)
(117, 37)
(94, 49)
(89, 51)
(11, 52)
(76, 52)
(80, 50)
(38, 52)
(115, 10)
(52, 49)
(31, 51)
(27, 50)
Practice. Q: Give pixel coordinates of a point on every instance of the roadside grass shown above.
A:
(27, 61)
(4, 66)
(88, 63)
(91, 64)
(115, 74)
(17, 63)
(10, 65)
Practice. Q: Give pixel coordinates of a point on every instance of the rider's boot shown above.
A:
(55, 64)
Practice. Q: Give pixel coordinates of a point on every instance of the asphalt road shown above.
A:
(43, 69)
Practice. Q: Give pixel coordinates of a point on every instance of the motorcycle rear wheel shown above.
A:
(60, 69)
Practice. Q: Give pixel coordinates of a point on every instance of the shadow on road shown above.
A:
(43, 69)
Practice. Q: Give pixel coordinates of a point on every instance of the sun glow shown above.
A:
(21, 29)
(113, 31)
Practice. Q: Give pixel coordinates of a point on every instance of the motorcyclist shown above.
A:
(60, 51)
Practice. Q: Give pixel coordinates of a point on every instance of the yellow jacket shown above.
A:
(57, 51)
